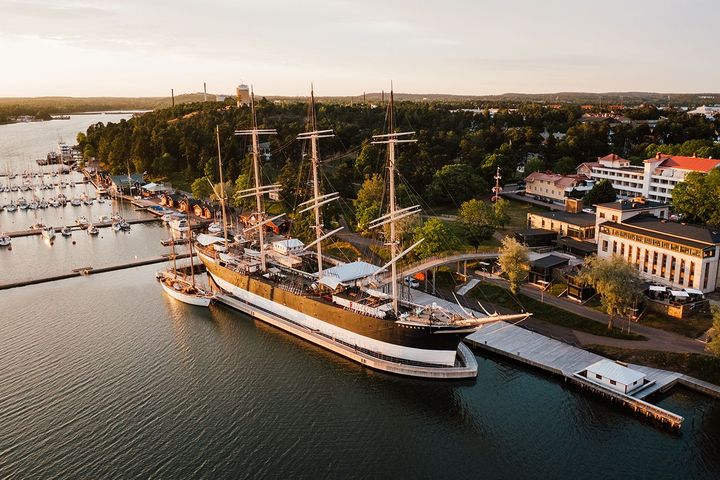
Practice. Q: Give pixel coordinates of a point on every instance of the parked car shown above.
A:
(411, 282)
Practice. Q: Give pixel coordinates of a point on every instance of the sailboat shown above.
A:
(5, 240)
(178, 286)
(342, 308)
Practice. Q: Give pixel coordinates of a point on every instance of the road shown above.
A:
(656, 339)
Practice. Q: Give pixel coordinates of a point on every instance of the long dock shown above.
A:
(89, 270)
(568, 361)
(30, 232)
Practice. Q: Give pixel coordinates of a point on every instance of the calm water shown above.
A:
(106, 377)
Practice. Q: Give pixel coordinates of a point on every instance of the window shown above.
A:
(602, 214)
(707, 274)
(654, 263)
(614, 218)
(605, 246)
(691, 274)
(682, 272)
(622, 249)
(613, 382)
(598, 376)
(615, 246)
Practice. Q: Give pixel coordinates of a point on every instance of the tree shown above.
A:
(602, 192)
(714, 343)
(513, 261)
(533, 165)
(456, 182)
(438, 237)
(201, 188)
(369, 200)
(696, 199)
(565, 166)
(617, 282)
(477, 220)
(501, 216)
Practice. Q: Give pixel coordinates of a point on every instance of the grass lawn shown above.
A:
(699, 366)
(518, 214)
(486, 292)
(692, 326)
(342, 251)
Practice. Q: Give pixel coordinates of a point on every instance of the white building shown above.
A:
(654, 180)
(678, 255)
(615, 376)
(709, 112)
(555, 187)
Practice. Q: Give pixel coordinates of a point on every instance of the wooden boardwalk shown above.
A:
(566, 360)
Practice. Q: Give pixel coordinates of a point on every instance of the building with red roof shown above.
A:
(654, 180)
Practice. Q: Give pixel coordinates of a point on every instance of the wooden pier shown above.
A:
(30, 232)
(89, 270)
(568, 361)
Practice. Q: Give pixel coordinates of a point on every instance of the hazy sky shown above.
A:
(143, 48)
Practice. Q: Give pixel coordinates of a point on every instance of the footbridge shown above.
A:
(459, 259)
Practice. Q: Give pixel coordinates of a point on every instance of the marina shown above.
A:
(85, 317)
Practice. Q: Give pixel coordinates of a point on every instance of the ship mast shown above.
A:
(259, 190)
(222, 187)
(392, 139)
(314, 135)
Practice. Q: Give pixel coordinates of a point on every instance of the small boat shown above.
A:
(11, 207)
(104, 218)
(124, 225)
(54, 203)
(88, 201)
(75, 202)
(66, 231)
(82, 222)
(92, 230)
(48, 233)
(215, 228)
(5, 240)
(179, 225)
(182, 290)
(100, 200)
(32, 205)
(116, 226)
(43, 204)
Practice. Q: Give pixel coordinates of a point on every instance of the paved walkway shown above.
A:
(656, 339)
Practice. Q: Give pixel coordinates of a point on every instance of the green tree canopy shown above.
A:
(714, 344)
(513, 261)
(438, 237)
(602, 192)
(201, 188)
(477, 220)
(456, 183)
(617, 282)
(501, 212)
(368, 202)
(696, 199)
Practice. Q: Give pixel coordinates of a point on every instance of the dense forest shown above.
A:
(455, 157)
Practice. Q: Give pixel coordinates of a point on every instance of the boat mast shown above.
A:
(222, 187)
(392, 139)
(314, 135)
(259, 190)
(192, 260)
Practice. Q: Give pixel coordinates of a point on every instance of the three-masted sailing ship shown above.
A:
(346, 307)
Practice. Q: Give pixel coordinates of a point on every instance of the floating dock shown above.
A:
(89, 270)
(30, 232)
(568, 361)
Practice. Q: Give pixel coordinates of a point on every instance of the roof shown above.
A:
(290, 243)
(206, 240)
(628, 205)
(570, 242)
(156, 187)
(549, 261)
(692, 232)
(611, 157)
(694, 164)
(579, 219)
(351, 271)
(531, 232)
(558, 180)
(123, 179)
(688, 235)
(588, 165)
(614, 371)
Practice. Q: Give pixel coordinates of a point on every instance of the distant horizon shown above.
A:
(138, 48)
(379, 92)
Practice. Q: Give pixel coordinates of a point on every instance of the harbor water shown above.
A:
(104, 376)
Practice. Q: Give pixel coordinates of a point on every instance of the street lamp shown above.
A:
(544, 285)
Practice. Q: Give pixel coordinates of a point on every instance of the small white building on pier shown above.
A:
(615, 376)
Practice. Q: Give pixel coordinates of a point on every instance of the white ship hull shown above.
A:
(200, 301)
(437, 357)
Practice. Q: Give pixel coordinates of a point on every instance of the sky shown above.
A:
(346, 47)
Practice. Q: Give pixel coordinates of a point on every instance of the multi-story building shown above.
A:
(654, 180)
(682, 256)
(555, 187)
(580, 226)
